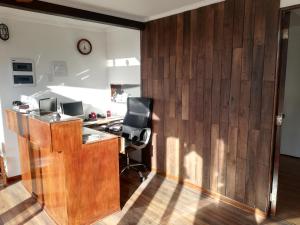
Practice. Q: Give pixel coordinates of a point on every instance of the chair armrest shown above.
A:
(119, 122)
(141, 144)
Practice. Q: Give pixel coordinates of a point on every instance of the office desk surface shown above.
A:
(96, 135)
(102, 121)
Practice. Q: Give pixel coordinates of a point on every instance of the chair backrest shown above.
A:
(139, 112)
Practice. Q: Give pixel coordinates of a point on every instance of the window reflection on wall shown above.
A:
(123, 62)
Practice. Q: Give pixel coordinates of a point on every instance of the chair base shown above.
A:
(133, 166)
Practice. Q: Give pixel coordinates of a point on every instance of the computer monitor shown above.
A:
(72, 109)
(47, 105)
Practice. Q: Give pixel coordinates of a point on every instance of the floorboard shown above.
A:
(155, 201)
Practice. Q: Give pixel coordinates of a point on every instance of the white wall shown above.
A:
(87, 77)
(123, 44)
(286, 3)
(290, 142)
(123, 61)
(46, 39)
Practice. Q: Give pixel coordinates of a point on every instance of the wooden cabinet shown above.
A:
(99, 181)
(17, 122)
(77, 183)
(12, 120)
(25, 161)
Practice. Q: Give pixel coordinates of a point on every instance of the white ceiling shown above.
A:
(141, 10)
(21, 15)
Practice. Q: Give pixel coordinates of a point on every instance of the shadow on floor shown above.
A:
(129, 181)
(13, 215)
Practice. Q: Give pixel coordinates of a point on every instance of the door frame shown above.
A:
(281, 66)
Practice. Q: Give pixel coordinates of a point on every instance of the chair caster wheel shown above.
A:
(142, 179)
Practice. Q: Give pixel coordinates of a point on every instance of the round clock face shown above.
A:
(4, 34)
(84, 46)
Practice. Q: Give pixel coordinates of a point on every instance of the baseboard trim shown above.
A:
(218, 196)
(14, 179)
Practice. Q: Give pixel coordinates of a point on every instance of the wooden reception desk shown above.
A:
(76, 183)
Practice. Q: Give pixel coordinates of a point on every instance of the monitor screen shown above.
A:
(72, 108)
(48, 105)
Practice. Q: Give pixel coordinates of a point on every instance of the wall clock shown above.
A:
(84, 46)
(4, 33)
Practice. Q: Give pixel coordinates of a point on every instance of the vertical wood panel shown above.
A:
(194, 44)
(251, 167)
(186, 45)
(211, 72)
(185, 100)
(271, 39)
(235, 87)
(238, 29)
(248, 39)
(179, 45)
(244, 119)
(222, 154)
(192, 110)
(228, 36)
(214, 164)
(231, 162)
(240, 179)
(209, 37)
(207, 133)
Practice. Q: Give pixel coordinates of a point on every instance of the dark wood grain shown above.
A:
(25, 160)
(219, 84)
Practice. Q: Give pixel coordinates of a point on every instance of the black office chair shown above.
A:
(136, 129)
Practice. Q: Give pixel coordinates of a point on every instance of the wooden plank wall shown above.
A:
(211, 73)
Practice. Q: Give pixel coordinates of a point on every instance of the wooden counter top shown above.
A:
(96, 135)
(77, 183)
(101, 121)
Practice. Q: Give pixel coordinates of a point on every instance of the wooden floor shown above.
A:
(289, 189)
(156, 201)
(17, 207)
